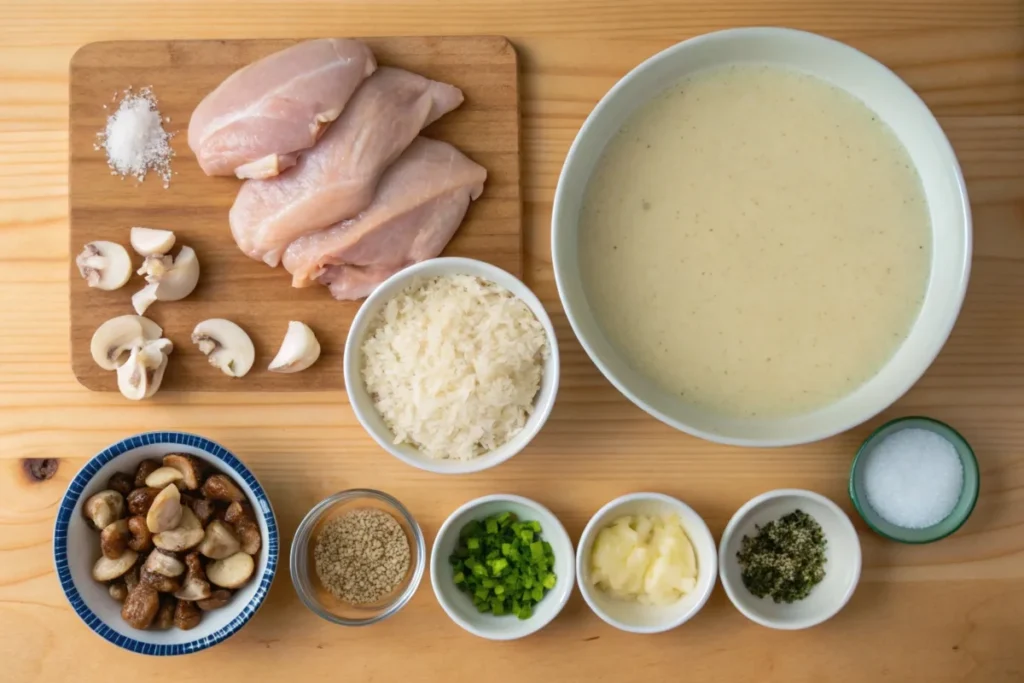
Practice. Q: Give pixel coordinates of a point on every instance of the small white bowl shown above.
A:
(633, 616)
(897, 105)
(842, 565)
(460, 607)
(76, 547)
(363, 406)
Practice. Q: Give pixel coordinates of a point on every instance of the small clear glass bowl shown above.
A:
(304, 577)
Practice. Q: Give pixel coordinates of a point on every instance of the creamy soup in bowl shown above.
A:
(761, 237)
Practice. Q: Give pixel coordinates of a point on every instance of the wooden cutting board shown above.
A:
(195, 207)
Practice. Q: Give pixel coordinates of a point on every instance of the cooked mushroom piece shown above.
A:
(141, 499)
(120, 482)
(131, 578)
(219, 542)
(118, 590)
(298, 351)
(203, 508)
(104, 508)
(149, 241)
(247, 531)
(141, 536)
(162, 584)
(113, 340)
(231, 572)
(107, 569)
(188, 534)
(104, 265)
(226, 345)
(187, 466)
(217, 599)
(140, 376)
(220, 487)
(114, 539)
(195, 586)
(165, 615)
(163, 476)
(166, 512)
(145, 469)
(170, 279)
(164, 564)
(141, 606)
(187, 615)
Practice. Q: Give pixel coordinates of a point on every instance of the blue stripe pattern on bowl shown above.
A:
(74, 492)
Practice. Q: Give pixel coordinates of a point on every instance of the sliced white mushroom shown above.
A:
(226, 344)
(113, 340)
(299, 350)
(104, 265)
(188, 534)
(166, 511)
(107, 569)
(149, 241)
(162, 476)
(231, 572)
(164, 564)
(141, 375)
(170, 279)
(219, 543)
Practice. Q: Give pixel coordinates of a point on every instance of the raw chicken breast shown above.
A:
(420, 202)
(256, 122)
(336, 179)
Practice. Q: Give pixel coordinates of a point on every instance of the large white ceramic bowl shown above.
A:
(842, 559)
(362, 404)
(632, 616)
(76, 547)
(897, 105)
(460, 607)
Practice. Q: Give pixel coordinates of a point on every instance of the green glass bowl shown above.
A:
(961, 511)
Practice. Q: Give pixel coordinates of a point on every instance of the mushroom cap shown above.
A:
(298, 351)
(149, 241)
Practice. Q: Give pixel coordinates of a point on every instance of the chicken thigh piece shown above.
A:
(420, 203)
(337, 178)
(256, 122)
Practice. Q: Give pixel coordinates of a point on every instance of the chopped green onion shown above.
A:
(491, 564)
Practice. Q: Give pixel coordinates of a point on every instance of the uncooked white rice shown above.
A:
(453, 364)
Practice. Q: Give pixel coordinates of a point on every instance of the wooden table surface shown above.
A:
(952, 611)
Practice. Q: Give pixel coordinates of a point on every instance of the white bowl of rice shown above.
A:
(451, 365)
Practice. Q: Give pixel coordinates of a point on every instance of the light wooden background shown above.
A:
(953, 611)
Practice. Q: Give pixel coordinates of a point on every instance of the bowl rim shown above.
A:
(302, 539)
(570, 312)
(435, 559)
(967, 457)
(552, 366)
(77, 487)
(591, 528)
(730, 531)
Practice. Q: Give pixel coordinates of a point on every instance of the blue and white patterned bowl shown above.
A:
(76, 547)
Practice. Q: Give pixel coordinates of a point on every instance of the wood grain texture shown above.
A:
(940, 613)
(261, 299)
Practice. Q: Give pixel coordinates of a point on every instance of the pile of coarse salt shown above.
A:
(135, 140)
(913, 478)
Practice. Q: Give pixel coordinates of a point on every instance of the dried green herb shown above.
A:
(785, 559)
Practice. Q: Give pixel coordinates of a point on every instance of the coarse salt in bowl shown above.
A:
(363, 404)
(633, 616)
(930, 497)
